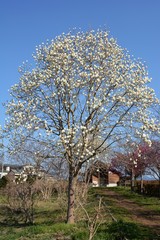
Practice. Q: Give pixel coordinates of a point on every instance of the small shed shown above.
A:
(100, 174)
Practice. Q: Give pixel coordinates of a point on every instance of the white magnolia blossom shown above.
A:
(85, 92)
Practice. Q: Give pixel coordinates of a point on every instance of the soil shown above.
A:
(140, 214)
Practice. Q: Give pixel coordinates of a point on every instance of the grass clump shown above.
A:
(121, 230)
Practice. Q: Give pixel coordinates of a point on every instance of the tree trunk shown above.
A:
(132, 180)
(141, 183)
(71, 198)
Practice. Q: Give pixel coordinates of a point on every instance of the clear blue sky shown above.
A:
(25, 24)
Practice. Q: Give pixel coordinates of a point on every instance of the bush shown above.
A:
(121, 230)
(149, 189)
(152, 190)
(20, 202)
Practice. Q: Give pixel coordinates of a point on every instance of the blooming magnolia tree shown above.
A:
(85, 94)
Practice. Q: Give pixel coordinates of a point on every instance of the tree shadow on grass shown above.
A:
(40, 218)
(49, 217)
(16, 225)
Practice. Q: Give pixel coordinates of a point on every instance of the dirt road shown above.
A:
(140, 214)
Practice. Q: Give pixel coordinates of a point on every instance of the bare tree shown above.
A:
(42, 156)
(84, 87)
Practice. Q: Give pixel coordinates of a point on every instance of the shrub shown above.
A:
(152, 190)
(20, 202)
(3, 182)
(149, 189)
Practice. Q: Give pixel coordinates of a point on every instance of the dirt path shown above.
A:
(140, 214)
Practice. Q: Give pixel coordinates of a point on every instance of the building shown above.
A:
(14, 171)
(5, 169)
(100, 174)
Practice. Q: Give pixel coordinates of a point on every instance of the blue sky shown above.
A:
(24, 24)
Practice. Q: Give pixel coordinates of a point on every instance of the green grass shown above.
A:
(50, 219)
(152, 203)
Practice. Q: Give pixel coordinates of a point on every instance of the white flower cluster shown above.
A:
(83, 87)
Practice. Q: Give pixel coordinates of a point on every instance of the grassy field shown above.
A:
(49, 219)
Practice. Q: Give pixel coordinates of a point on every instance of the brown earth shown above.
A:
(140, 214)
